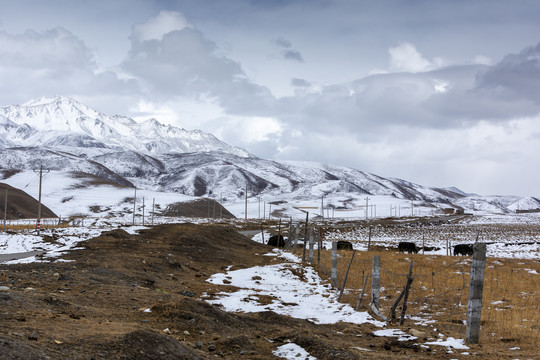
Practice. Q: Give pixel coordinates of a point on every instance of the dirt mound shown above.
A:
(126, 296)
(148, 345)
(205, 208)
(21, 205)
(20, 350)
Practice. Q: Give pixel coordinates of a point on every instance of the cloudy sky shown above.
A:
(441, 93)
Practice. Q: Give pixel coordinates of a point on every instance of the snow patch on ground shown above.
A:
(292, 352)
(295, 291)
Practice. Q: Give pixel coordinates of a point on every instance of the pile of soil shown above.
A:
(21, 205)
(122, 296)
(202, 208)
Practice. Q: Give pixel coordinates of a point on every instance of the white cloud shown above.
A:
(405, 57)
(56, 50)
(155, 27)
(35, 64)
(482, 60)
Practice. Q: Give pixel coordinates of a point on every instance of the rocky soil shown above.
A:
(122, 296)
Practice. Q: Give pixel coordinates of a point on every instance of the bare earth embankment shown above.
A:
(122, 296)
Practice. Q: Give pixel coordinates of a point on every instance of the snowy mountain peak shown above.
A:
(58, 99)
(48, 115)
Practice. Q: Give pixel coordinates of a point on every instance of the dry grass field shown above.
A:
(440, 292)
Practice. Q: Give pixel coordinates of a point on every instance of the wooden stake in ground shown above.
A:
(305, 238)
(319, 246)
(5, 209)
(345, 278)
(311, 245)
(362, 293)
(406, 296)
(279, 231)
(288, 243)
(476, 287)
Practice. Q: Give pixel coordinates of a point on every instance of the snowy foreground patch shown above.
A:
(295, 291)
(66, 239)
(300, 293)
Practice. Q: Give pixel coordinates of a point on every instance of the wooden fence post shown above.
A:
(288, 243)
(305, 238)
(405, 290)
(476, 287)
(407, 287)
(346, 276)
(362, 293)
(333, 278)
(319, 246)
(311, 245)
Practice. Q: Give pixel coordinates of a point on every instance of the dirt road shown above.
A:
(17, 256)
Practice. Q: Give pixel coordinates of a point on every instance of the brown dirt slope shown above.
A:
(21, 205)
(204, 208)
(93, 307)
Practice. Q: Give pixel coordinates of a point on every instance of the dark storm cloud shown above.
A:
(517, 76)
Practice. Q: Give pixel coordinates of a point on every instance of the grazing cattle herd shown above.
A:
(403, 246)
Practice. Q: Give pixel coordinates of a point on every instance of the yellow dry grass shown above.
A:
(440, 289)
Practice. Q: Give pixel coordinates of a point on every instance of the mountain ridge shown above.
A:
(67, 136)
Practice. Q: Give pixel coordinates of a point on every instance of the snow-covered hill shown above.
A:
(62, 121)
(67, 137)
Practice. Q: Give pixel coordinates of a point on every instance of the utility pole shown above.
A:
(246, 202)
(5, 210)
(38, 225)
(367, 208)
(143, 210)
(412, 208)
(322, 206)
(134, 204)
(153, 205)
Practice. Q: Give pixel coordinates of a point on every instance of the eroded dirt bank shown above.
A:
(93, 307)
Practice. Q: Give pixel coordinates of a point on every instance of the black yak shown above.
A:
(408, 247)
(276, 240)
(344, 245)
(463, 249)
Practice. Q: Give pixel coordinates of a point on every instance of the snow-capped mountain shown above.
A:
(64, 121)
(66, 136)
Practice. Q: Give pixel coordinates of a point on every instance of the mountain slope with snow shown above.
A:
(64, 121)
(65, 136)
